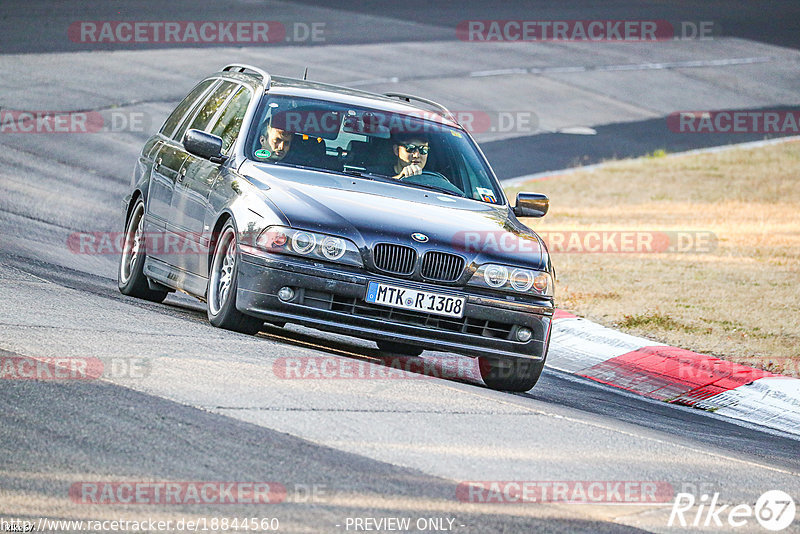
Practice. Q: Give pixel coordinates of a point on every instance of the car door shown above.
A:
(164, 155)
(193, 183)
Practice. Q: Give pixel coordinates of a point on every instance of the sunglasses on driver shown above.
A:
(423, 149)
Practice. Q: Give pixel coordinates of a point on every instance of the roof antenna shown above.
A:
(305, 74)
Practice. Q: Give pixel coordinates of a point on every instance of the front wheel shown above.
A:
(130, 276)
(510, 374)
(222, 285)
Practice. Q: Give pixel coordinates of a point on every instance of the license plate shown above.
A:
(413, 299)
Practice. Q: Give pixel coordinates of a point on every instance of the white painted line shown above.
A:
(684, 64)
(709, 150)
(498, 72)
(577, 68)
(558, 70)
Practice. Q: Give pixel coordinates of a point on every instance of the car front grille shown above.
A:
(395, 259)
(358, 307)
(442, 266)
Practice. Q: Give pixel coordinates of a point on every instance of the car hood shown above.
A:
(371, 211)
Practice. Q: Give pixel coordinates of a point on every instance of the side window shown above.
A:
(185, 105)
(230, 122)
(211, 105)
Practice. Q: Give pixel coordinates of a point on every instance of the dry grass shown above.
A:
(740, 302)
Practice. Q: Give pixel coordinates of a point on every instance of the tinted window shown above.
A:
(230, 122)
(211, 105)
(184, 107)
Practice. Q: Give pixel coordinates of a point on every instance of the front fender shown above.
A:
(234, 197)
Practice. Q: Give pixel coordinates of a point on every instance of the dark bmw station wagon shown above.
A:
(286, 201)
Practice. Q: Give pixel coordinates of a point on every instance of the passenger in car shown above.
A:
(275, 144)
(411, 155)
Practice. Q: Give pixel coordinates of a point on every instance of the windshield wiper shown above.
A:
(437, 188)
(369, 175)
(360, 174)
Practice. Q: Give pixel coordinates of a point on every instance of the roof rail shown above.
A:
(266, 79)
(438, 106)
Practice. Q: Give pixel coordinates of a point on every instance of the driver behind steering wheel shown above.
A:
(412, 155)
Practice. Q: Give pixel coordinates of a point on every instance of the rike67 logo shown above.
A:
(774, 510)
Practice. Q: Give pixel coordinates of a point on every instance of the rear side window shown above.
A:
(186, 104)
(230, 122)
(211, 105)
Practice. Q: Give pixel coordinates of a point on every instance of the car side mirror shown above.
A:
(531, 205)
(204, 145)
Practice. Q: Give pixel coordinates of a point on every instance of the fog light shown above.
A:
(287, 293)
(524, 334)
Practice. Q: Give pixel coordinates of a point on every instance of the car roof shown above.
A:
(282, 85)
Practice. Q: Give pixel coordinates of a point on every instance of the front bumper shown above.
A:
(332, 299)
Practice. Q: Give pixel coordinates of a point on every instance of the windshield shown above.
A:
(331, 136)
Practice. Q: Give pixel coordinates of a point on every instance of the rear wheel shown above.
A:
(510, 374)
(399, 348)
(130, 276)
(222, 285)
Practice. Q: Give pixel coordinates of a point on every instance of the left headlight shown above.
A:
(283, 240)
(513, 279)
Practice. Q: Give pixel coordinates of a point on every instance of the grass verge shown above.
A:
(722, 273)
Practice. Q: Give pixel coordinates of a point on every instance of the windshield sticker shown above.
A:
(263, 153)
(486, 194)
(306, 138)
(455, 134)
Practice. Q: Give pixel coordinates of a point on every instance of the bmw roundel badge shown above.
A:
(422, 238)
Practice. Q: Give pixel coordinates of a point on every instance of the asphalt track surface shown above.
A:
(211, 406)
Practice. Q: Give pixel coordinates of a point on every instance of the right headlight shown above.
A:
(513, 279)
(283, 240)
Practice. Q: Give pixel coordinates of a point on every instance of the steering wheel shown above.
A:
(434, 179)
(435, 175)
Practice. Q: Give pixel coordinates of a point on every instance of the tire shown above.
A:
(130, 275)
(222, 284)
(510, 374)
(399, 348)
